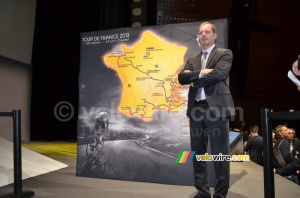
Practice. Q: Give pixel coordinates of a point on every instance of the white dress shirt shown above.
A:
(200, 93)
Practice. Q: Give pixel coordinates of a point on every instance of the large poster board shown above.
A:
(132, 121)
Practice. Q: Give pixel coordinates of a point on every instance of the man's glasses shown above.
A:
(207, 32)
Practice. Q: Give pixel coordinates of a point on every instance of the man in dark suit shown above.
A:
(209, 107)
(255, 146)
(296, 149)
(294, 144)
(284, 146)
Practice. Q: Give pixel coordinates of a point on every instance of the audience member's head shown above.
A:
(282, 130)
(291, 133)
(254, 129)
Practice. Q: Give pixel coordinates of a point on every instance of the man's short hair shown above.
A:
(294, 132)
(213, 28)
(254, 130)
(279, 128)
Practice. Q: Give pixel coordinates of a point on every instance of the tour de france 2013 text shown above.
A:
(107, 38)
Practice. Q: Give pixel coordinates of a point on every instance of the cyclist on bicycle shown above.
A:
(100, 125)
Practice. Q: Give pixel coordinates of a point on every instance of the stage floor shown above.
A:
(246, 180)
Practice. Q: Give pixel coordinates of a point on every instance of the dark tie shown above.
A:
(203, 65)
(203, 61)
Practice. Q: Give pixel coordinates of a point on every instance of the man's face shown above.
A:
(206, 36)
(290, 134)
(283, 132)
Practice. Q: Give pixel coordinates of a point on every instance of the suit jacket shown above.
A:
(216, 83)
(290, 168)
(284, 150)
(296, 148)
(255, 148)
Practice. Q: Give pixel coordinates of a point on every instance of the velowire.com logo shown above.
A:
(187, 157)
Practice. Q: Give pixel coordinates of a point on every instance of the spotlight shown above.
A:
(138, 13)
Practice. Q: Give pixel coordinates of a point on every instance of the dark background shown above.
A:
(263, 35)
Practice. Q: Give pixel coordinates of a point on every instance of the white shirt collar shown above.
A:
(209, 49)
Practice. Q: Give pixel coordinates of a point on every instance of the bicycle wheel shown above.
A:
(94, 147)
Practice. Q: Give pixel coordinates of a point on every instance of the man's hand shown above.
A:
(299, 88)
(295, 69)
(205, 71)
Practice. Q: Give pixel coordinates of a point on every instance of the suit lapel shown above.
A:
(211, 55)
(198, 60)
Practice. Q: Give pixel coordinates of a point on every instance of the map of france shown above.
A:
(148, 72)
